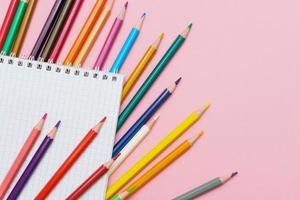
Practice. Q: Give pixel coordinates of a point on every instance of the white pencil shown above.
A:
(134, 142)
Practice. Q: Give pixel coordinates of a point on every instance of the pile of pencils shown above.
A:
(48, 47)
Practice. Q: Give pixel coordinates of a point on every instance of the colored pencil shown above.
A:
(159, 101)
(90, 40)
(14, 27)
(45, 53)
(111, 38)
(69, 162)
(157, 168)
(152, 77)
(7, 20)
(21, 157)
(23, 28)
(64, 33)
(92, 179)
(157, 150)
(206, 187)
(133, 143)
(47, 28)
(33, 164)
(141, 66)
(127, 46)
(85, 31)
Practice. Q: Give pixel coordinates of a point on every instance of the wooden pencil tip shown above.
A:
(44, 116)
(143, 15)
(178, 81)
(195, 137)
(161, 36)
(206, 106)
(190, 25)
(234, 174)
(57, 124)
(152, 121)
(126, 4)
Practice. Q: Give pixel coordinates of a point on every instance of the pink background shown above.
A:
(243, 56)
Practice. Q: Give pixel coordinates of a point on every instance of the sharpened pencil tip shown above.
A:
(143, 15)
(206, 106)
(234, 174)
(126, 4)
(44, 116)
(116, 156)
(190, 25)
(57, 124)
(161, 36)
(178, 81)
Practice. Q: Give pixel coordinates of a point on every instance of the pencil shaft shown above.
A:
(68, 163)
(85, 31)
(30, 168)
(23, 28)
(200, 190)
(14, 27)
(56, 29)
(114, 31)
(125, 50)
(149, 81)
(14, 169)
(46, 30)
(7, 20)
(141, 121)
(152, 154)
(132, 79)
(64, 33)
(88, 183)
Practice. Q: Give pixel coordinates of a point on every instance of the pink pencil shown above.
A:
(111, 38)
(27, 146)
(7, 20)
(65, 30)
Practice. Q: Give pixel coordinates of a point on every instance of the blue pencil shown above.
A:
(127, 46)
(145, 117)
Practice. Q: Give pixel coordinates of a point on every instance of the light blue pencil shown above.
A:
(127, 46)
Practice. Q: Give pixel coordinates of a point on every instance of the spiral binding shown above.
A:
(49, 67)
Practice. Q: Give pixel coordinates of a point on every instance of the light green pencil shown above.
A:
(202, 189)
(14, 27)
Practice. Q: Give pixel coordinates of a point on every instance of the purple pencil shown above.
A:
(111, 38)
(33, 163)
(47, 28)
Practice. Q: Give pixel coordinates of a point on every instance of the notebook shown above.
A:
(77, 97)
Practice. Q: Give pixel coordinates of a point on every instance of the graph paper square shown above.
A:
(77, 97)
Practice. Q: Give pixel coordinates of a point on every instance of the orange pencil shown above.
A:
(64, 168)
(30, 141)
(85, 31)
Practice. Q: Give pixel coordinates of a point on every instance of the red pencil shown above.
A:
(92, 179)
(7, 20)
(64, 168)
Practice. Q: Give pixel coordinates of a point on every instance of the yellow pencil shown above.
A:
(157, 168)
(141, 66)
(153, 153)
(88, 44)
(23, 28)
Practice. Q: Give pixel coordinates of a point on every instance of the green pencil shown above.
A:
(14, 27)
(153, 76)
(56, 30)
(202, 189)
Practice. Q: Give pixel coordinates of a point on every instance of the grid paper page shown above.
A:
(79, 101)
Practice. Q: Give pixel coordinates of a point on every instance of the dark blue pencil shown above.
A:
(145, 117)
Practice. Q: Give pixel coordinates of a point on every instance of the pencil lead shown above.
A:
(126, 4)
(143, 15)
(234, 174)
(162, 35)
(44, 116)
(103, 120)
(177, 81)
(57, 124)
(190, 25)
(116, 156)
